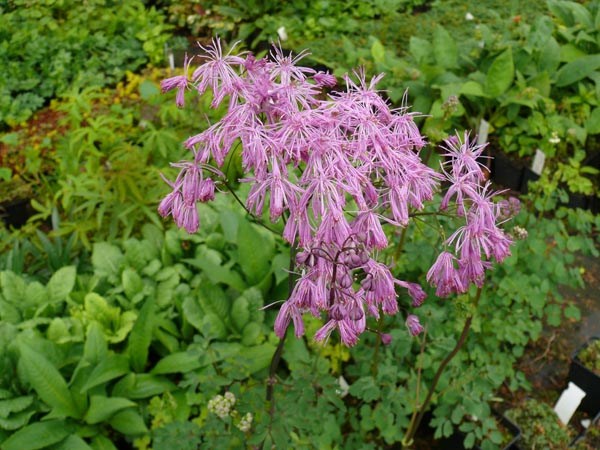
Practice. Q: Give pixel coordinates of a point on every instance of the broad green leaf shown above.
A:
(107, 259)
(192, 312)
(240, 313)
(444, 48)
(592, 125)
(137, 386)
(101, 442)
(102, 408)
(420, 49)
(500, 74)
(256, 248)
(378, 51)
(128, 422)
(38, 435)
(47, 381)
(549, 57)
(229, 223)
(132, 282)
(16, 421)
(72, 442)
(181, 362)
(258, 357)
(36, 294)
(281, 266)
(14, 405)
(95, 348)
(472, 88)
(251, 334)
(13, 287)
(61, 283)
(577, 70)
(213, 327)
(109, 368)
(141, 335)
(213, 300)
(209, 262)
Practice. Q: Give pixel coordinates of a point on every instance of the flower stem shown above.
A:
(414, 425)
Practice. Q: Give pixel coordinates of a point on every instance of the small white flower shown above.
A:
(282, 33)
(554, 139)
(469, 16)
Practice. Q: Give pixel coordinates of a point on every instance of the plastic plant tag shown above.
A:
(568, 402)
(538, 161)
(482, 133)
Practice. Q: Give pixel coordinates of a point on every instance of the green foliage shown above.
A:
(590, 356)
(540, 427)
(49, 47)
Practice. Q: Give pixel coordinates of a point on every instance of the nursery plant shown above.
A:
(337, 167)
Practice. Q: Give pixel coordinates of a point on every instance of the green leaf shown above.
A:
(102, 408)
(61, 284)
(549, 58)
(109, 368)
(101, 442)
(47, 381)
(251, 333)
(37, 435)
(256, 248)
(141, 336)
(16, 421)
(213, 327)
(209, 262)
(181, 362)
(137, 386)
(128, 422)
(240, 313)
(472, 88)
(592, 125)
(95, 348)
(365, 388)
(500, 74)
(13, 287)
(445, 49)
(132, 282)
(577, 70)
(378, 51)
(72, 442)
(192, 312)
(280, 266)
(469, 440)
(106, 259)
(420, 49)
(14, 405)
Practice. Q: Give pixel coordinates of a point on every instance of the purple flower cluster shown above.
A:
(480, 238)
(335, 165)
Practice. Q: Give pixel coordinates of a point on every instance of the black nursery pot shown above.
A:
(587, 380)
(506, 173)
(527, 176)
(456, 441)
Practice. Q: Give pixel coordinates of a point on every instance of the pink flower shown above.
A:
(414, 326)
(445, 276)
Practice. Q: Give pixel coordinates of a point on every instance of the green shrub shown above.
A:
(48, 47)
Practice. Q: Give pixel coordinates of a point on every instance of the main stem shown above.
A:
(416, 420)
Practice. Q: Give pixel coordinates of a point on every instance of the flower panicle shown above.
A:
(310, 148)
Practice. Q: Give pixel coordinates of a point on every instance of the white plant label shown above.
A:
(482, 133)
(538, 161)
(568, 402)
